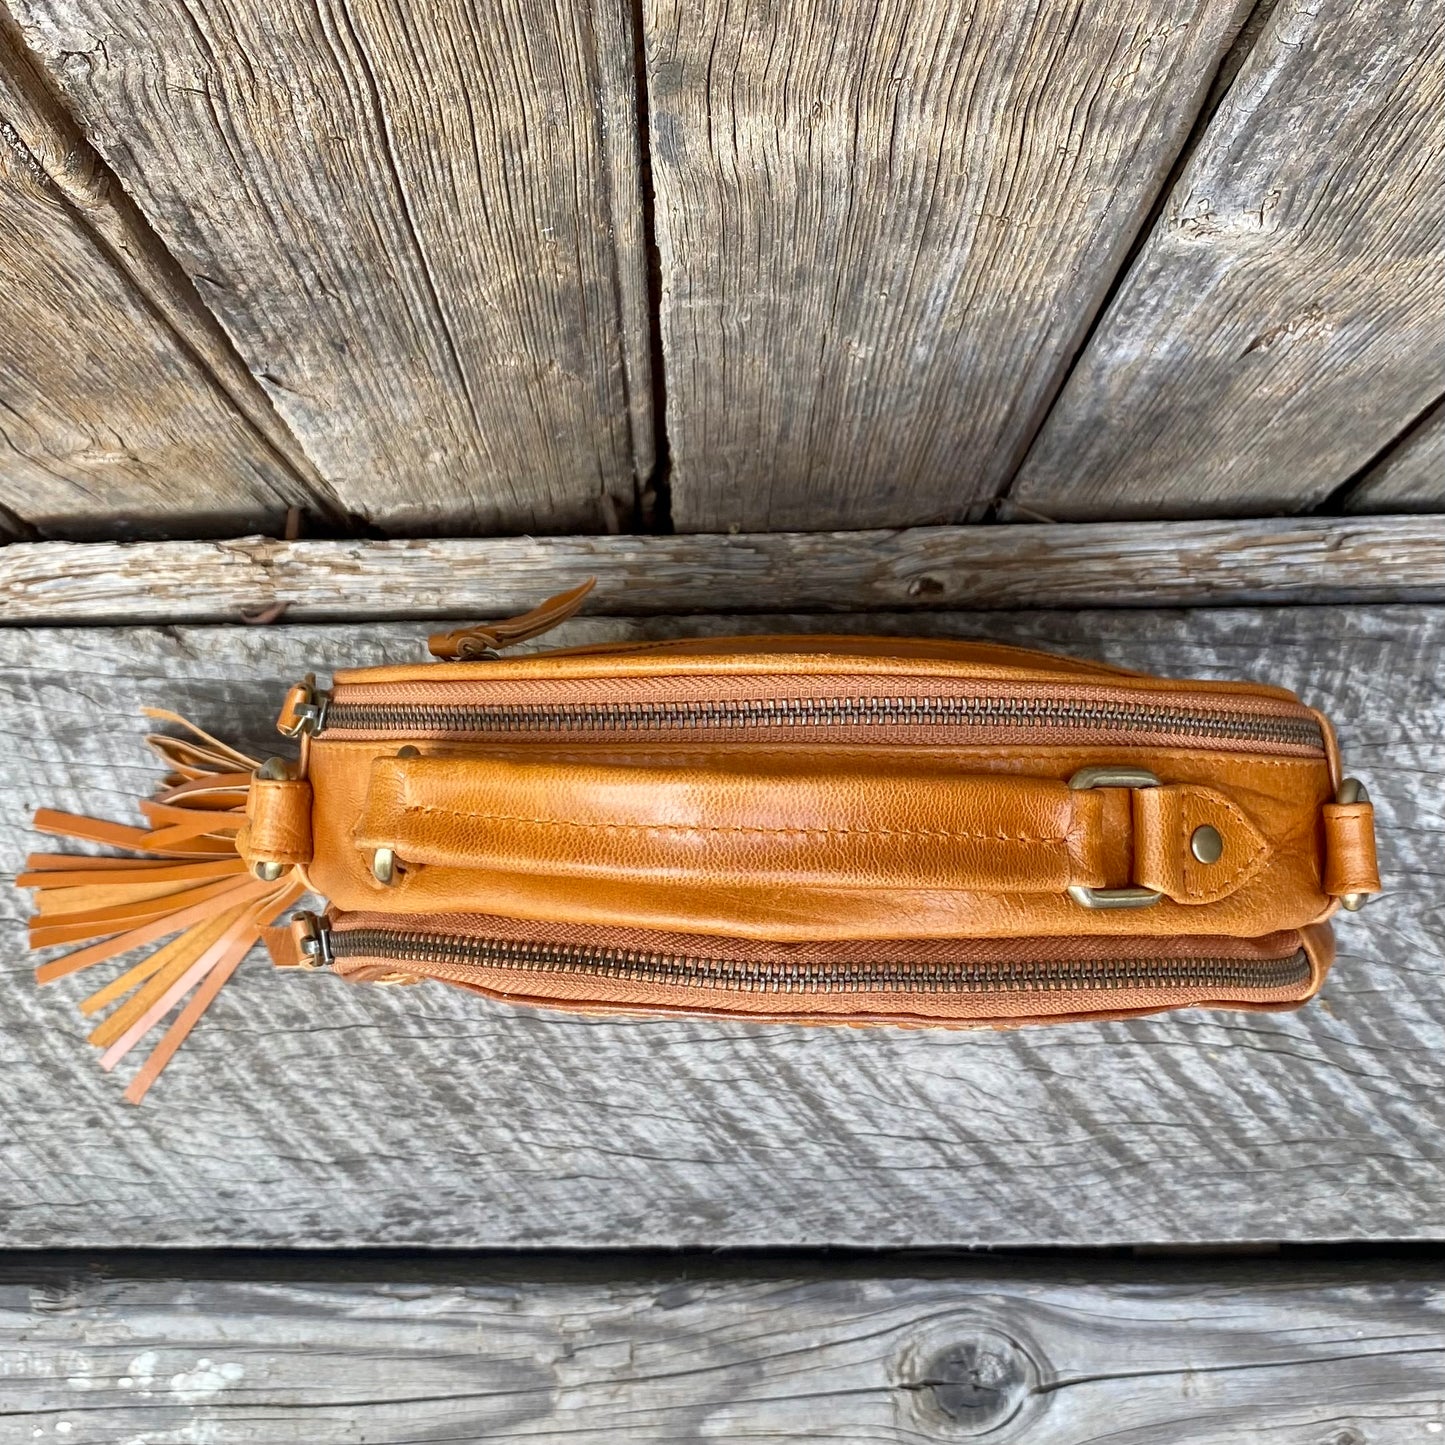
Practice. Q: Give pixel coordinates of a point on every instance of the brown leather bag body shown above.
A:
(818, 829)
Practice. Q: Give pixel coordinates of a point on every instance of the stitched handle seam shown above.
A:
(714, 828)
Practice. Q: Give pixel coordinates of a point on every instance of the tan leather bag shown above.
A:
(816, 829)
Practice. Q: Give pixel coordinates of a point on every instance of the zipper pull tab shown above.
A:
(303, 713)
(309, 943)
(486, 640)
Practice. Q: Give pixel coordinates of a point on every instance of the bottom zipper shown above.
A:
(674, 972)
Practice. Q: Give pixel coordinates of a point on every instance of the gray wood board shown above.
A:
(1411, 475)
(306, 1112)
(1309, 559)
(421, 230)
(122, 409)
(884, 230)
(1040, 1351)
(1286, 318)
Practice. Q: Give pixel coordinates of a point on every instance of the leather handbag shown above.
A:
(806, 829)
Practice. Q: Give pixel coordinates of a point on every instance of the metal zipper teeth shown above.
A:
(680, 970)
(822, 712)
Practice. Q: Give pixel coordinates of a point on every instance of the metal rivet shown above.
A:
(1206, 844)
(408, 752)
(269, 872)
(383, 865)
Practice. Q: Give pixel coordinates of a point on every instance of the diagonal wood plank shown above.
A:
(305, 1112)
(1139, 564)
(122, 408)
(1286, 317)
(883, 230)
(309, 1352)
(1411, 475)
(421, 230)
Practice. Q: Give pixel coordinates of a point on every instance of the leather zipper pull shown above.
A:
(488, 639)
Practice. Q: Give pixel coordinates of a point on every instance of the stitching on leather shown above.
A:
(1186, 829)
(712, 828)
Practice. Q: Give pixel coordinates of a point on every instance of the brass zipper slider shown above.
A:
(314, 933)
(303, 712)
(486, 640)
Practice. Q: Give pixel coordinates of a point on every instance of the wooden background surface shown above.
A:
(1115, 1352)
(768, 313)
(585, 267)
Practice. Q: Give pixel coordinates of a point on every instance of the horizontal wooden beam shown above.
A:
(1293, 560)
(1055, 1354)
(308, 1113)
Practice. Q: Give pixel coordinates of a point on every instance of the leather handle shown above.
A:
(771, 821)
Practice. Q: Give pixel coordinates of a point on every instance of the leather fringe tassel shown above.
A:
(192, 888)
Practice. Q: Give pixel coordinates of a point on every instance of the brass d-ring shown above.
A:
(1105, 776)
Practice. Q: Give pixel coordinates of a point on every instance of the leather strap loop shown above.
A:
(1350, 862)
(278, 822)
(1167, 821)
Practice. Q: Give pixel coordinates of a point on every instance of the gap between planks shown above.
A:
(1303, 560)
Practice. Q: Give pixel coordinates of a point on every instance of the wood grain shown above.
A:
(1286, 317)
(1310, 559)
(1055, 1354)
(123, 410)
(308, 1113)
(421, 230)
(884, 229)
(1411, 475)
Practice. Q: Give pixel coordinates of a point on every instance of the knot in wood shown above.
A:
(968, 1381)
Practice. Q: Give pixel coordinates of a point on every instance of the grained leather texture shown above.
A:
(1281, 796)
(278, 822)
(1350, 863)
(637, 831)
(771, 826)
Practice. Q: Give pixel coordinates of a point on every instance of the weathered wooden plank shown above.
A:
(1056, 1354)
(1411, 475)
(1286, 317)
(123, 409)
(884, 230)
(421, 231)
(307, 1113)
(1305, 560)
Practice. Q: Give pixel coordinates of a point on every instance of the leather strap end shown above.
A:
(283, 944)
(486, 639)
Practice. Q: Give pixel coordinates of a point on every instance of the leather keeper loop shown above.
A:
(1350, 864)
(278, 822)
(1165, 821)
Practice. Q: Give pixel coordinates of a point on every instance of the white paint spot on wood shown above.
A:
(142, 1372)
(192, 1387)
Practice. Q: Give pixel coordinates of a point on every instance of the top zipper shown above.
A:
(442, 719)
